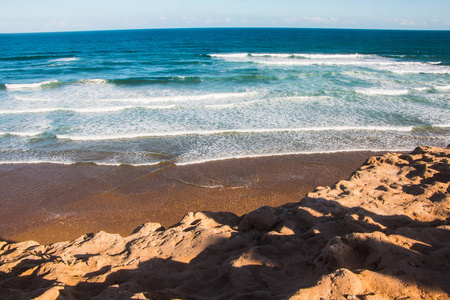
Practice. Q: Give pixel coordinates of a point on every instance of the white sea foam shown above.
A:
(338, 62)
(148, 164)
(420, 69)
(278, 99)
(92, 81)
(277, 154)
(189, 98)
(338, 56)
(23, 134)
(230, 55)
(358, 60)
(20, 162)
(26, 111)
(34, 99)
(24, 86)
(442, 87)
(118, 108)
(293, 55)
(61, 162)
(83, 109)
(124, 136)
(421, 89)
(65, 59)
(232, 105)
(385, 92)
(301, 98)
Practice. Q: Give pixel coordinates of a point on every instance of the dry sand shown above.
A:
(382, 234)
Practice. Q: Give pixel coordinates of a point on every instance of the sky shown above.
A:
(18, 16)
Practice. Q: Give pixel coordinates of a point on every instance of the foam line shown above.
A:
(294, 55)
(216, 132)
(83, 110)
(385, 92)
(201, 161)
(213, 96)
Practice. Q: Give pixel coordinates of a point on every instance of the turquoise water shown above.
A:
(188, 95)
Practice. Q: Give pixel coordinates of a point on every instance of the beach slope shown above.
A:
(382, 234)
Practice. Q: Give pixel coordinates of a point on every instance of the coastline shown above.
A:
(52, 203)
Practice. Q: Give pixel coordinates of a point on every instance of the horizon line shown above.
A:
(231, 27)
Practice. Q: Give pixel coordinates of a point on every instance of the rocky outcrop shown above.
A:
(382, 234)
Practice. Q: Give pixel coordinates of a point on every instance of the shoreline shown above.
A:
(52, 203)
(201, 161)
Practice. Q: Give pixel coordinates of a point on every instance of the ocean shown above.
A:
(143, 97)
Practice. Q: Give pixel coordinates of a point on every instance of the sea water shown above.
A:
(143, 97)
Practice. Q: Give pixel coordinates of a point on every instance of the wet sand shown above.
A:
(50, 203)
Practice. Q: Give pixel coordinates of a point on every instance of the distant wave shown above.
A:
(23, 134)
(65, 59)
(92, 81)
(293, 55)
(156, 80)
(142, 81)
(190, 79)
(28, 57)
(359, 60)
(38, 85)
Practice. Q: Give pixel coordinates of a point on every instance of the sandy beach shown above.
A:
(51, 203)
(381, 234)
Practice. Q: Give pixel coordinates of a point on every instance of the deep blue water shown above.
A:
(185, 95)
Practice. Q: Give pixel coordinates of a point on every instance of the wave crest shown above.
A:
(38, 85)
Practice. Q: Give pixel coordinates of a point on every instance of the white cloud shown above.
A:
(59, 24)
(405, 22)
(320, 20)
